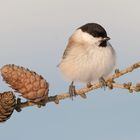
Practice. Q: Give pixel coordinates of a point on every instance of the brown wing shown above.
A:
(66, 51)
(71, 43)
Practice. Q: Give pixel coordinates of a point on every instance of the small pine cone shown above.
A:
(31, 85)
(7, 105)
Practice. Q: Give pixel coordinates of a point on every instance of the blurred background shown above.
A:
(34, 34)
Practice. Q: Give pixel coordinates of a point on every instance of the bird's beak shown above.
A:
(106, 38)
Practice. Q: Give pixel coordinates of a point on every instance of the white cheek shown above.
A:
(92, 40)
(83, 37)
(97, 43)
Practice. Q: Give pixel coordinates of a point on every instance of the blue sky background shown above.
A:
(34, 33)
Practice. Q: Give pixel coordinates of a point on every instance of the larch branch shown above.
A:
(110, 84)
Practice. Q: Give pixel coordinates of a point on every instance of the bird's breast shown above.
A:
(88, 64)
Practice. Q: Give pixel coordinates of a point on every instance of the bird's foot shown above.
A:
(72, 90)
(103, 83)
(89, 85)
(117, 71)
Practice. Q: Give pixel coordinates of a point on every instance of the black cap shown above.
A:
(94, 29)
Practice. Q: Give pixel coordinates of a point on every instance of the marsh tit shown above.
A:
(88, 56)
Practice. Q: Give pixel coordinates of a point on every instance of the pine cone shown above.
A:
(7, 105)
(31, 85)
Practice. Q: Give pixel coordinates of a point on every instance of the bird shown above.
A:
(88, 57)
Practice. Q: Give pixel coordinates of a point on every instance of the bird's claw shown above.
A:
(72, 91)
(89, 85)
(103, 83)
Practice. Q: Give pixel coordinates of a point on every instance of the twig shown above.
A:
(110, 84)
